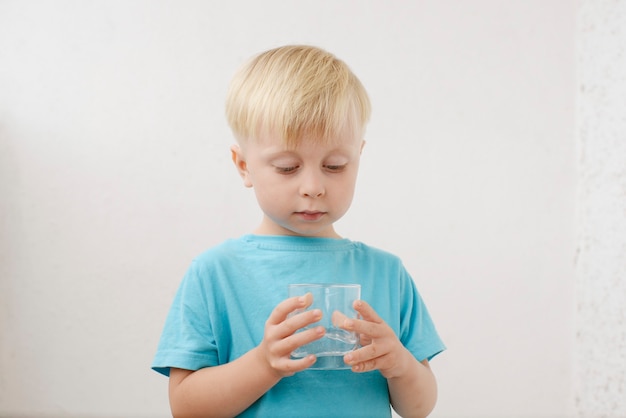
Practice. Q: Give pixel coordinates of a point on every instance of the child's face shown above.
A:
(301, 190)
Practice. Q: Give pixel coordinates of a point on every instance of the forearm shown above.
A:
(220, 391)
(414, 393)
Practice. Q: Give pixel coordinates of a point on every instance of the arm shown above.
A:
(412, 385)
(224, 390)
(418, 379)
(228, 389)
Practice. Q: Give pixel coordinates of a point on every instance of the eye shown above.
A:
(287, 169)
(335, 168)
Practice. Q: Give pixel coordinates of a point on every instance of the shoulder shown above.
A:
(376, 252)
(373, 255)
(216, 259)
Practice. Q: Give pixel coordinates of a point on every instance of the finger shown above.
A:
(287, 306)
(371, 324)
(360, 326)
(368, 358)
(364, 340)
(360, 362)
(367, 366)
(338, 318)
(289, 367)
(289, 344)
(362, 354)
(302, 320)
(291, 325)
(366, 311)
(303, 363)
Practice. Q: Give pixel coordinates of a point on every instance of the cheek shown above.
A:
(345, 192)
(269, 195)
(349, 183)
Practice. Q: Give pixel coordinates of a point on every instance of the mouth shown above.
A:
(310, 215)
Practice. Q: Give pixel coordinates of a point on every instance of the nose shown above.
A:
(312, 185)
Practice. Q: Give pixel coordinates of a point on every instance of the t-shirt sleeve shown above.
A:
(187, 341)
(417, 329)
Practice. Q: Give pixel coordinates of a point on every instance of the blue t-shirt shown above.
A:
(229, 291)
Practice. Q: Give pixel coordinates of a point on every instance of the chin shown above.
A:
(323, 233)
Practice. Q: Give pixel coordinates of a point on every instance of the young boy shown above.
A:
(298, 115)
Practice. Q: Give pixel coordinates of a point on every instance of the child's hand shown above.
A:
(382, 350)
(280, 337)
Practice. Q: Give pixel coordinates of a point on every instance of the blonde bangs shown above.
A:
(296, 91)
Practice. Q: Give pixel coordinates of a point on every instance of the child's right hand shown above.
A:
(280, 337)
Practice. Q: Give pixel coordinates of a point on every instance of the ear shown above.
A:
(240, 162)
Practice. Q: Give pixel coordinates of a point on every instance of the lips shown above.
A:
(310, 215)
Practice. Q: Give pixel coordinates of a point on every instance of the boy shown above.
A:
(298, 115)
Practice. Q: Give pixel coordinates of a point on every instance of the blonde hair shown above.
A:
(295, 91)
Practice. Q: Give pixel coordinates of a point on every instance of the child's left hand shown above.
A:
(382, 350)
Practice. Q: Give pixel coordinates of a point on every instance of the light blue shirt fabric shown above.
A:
(229, 291)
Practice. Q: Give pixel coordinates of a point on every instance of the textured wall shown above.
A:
(601, 337)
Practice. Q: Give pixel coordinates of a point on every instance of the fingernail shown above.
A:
(348, 324)
(348, 358)
(301, 300)
(317, 313)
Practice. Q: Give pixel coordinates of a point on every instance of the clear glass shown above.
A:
(335, 301)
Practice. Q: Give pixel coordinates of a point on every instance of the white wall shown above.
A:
(600, 358)
(115, 172)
